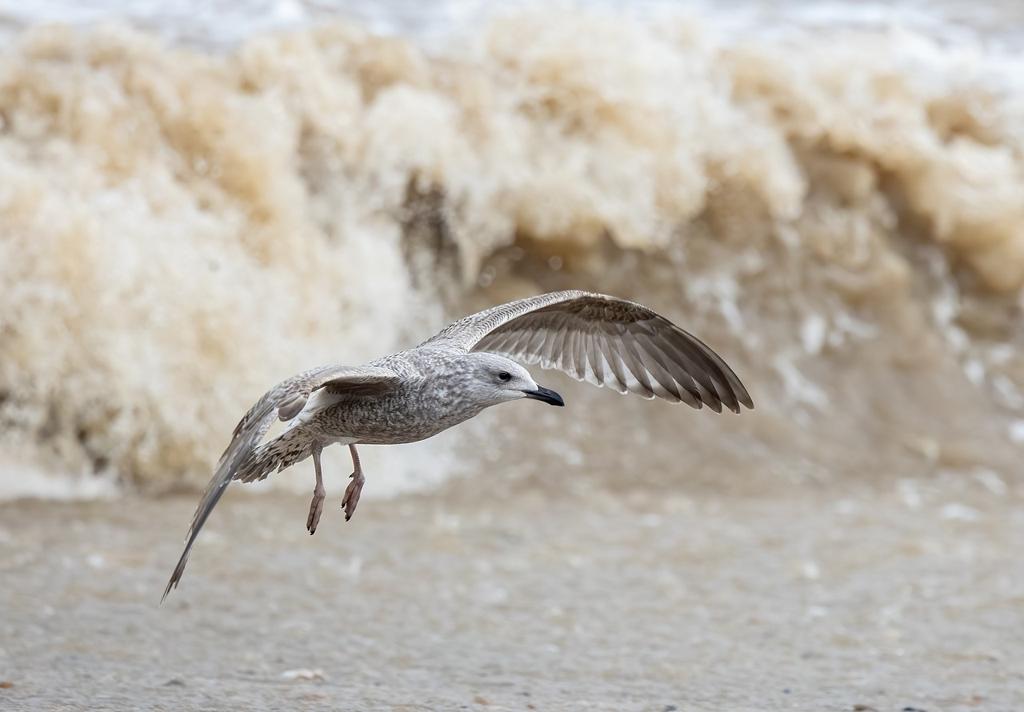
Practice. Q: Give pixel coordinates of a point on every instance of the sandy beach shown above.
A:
(515, 597)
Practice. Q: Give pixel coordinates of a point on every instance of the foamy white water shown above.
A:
(196, 207)
(224, 23)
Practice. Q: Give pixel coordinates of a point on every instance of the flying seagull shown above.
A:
(413, 395)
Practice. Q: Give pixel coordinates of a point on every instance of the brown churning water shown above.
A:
(839, 213)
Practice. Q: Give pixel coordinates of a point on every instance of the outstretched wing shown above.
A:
(284, 401)
(606, 341)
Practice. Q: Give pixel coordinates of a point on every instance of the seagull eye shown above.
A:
(505, 376)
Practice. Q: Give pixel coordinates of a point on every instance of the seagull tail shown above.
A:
(290, 447)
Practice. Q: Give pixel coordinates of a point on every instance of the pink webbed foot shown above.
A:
(316, 508)
(351, 499)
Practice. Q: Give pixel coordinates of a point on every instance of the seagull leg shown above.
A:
(354, 487)
(319, 493)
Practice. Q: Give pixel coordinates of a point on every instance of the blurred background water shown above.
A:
(217, 23)
(198, 199)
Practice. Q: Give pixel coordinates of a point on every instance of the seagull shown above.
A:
(415, 394)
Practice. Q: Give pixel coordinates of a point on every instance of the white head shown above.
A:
(489, 379)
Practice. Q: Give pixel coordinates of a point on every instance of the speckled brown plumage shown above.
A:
(415, 394)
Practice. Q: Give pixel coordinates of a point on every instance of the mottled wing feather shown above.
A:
(285, 400)
(605, 341)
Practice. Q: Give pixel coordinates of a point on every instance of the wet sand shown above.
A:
(494, 595)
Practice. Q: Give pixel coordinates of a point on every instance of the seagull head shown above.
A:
(496, 379)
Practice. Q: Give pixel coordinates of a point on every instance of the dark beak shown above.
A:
(545, 395)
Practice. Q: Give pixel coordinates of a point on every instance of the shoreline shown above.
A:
(815, 598)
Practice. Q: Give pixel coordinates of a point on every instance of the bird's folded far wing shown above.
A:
(608, 342)
(284, 401)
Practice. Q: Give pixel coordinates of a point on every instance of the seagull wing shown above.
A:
(284, 401)
(606, 341)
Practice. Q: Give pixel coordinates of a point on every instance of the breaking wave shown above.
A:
(839, 212)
